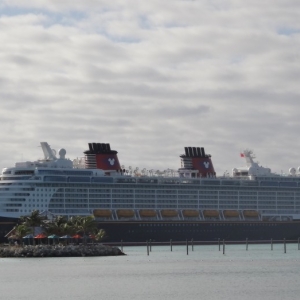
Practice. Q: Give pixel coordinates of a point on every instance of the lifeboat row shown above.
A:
(186, 214)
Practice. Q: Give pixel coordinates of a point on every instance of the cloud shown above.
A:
(151, 78)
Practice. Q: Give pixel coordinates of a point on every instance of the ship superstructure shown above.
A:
(192, 198)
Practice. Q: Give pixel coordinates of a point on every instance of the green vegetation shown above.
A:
(59, 226)
(33, 220)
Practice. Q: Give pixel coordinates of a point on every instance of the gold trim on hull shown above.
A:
(211, 213)
(189, 213)
(125, 213)
(169, 213)
(231, 213)
(102, 213)
(148, 213)
(251, 214)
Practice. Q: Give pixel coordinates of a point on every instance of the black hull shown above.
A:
(139, 231)
(163, 231)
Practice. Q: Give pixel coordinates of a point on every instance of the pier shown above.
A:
(191, 244)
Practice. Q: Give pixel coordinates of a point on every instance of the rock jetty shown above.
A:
(59, 251)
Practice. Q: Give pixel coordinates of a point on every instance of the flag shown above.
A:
(242, 155)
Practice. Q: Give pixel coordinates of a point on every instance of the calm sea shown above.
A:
(205, 273)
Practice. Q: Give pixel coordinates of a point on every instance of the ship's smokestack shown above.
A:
(186, 151)
(195, 158)
(100, 156)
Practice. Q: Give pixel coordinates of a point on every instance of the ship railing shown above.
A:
(212, 218)
(171, 218)
(253, 218)
(127, 218)
(232, 219)
(103, 219)
(286, 218)
(277, 218)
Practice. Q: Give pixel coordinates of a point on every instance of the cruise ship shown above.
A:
(131, 205)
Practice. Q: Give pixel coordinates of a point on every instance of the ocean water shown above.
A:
(205, 273)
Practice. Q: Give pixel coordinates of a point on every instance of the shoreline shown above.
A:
(59, 251)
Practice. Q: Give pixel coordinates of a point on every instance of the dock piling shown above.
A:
(171, 244)
(192, 244)
(223, 246)
(219, 244)
(187, 247)
(246, 244)
(271, 244)
(284, 245)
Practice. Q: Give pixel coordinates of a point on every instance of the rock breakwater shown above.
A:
(59, 251)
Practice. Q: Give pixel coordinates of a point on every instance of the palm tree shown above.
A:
(100, 235)
(55, 226)
(33, 220)
(61, 226)
(84, 225)
(21, 231)
(74, 222)
(68, 229)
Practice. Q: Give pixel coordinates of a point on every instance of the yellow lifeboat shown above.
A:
(231, 214)
(102, 213)
(251, 214)
(169, 213)
(125, 213)
(211, 213)
(190, 213)
(147, 213)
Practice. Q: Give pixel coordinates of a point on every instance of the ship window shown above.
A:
(102, 179)
(55, 178)
(24, 172)
(147, 180)
(125, 180)
(230, 182)
(292, 184)
(210, 182)
(268, 183)
(249, 182)
(78, 179)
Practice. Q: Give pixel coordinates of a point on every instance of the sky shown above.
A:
(151, 77)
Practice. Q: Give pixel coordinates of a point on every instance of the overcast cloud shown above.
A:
(151, 78)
